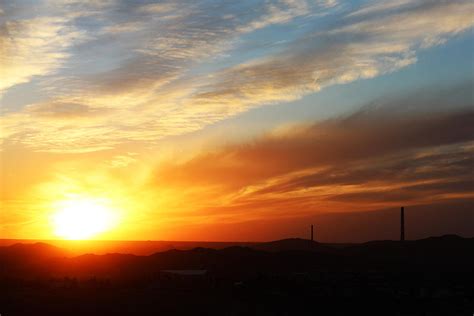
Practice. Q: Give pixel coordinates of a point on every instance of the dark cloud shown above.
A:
(409, 193)
(374, 158)
(329, 144)
(456, 164)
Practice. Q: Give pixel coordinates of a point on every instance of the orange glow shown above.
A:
(83, 218)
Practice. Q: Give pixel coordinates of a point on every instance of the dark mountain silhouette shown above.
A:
(432, 250)
(18, 255)
(37, 250)
(284, 277)
(290, 245)
(287, 254)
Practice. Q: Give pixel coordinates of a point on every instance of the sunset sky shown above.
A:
(236, 120)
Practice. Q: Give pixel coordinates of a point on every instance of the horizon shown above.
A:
(229, 121)
(6, 241)
(78, 248)
(249, 157)
(9, 242)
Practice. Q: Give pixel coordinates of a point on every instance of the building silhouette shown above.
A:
(402, 224)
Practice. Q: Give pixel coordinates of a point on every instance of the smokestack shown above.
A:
(312, 235)
(402, 224)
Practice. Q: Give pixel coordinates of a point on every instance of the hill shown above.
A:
(432, 276)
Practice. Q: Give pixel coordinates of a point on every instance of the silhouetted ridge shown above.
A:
(279, 276)
(23, 260)
(449, 237)
(290, 244)
(36, 251)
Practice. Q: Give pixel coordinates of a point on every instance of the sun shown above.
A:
(82, 218)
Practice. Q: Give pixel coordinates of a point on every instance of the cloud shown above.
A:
(327, 144)
(422, 167)
(33, 47)
(357, 49)
(124, 27)
(328, 3)
(415, 24)
(278, 13)
(373, 159)
(377, 7)
(145, 72)
(122, 161)
(62, 110)
(157, 8)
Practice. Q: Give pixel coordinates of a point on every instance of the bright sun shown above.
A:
(82, 218)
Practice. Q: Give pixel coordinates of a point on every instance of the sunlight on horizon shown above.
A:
(83, 218)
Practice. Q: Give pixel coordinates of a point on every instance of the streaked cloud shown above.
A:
(380, 7)
(377, 158)
(33, 47)
(144, 72)
(354, 50)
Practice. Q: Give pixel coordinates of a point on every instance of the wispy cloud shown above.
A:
(370, 160)
(357, 50)
(33, 47)
(144, 72)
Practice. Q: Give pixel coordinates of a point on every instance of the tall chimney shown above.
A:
(402, 224)
(312, 235)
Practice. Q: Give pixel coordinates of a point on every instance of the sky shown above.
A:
(236, 120)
